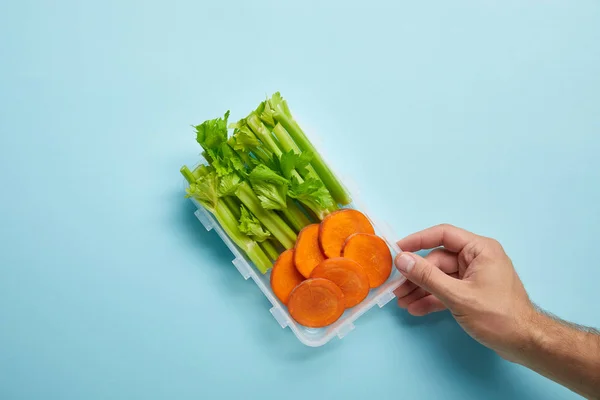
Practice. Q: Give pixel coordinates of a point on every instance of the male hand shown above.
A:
(471, 276)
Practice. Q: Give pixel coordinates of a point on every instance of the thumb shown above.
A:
(428, 276)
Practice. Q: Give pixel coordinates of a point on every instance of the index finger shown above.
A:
(449, 236)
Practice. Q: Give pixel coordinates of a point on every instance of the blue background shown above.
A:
(483, 114)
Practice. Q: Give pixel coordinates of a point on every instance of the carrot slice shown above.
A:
(307, 253)
(372, 253)
(284, 276)
(338, 226)
(348, 275)
(316, 303)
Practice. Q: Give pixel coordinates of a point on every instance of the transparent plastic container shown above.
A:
(313, 337)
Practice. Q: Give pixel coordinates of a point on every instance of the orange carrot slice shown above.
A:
(307, 253)
(284, 276)
(338, 226)
(316, 303)
(348, 275)
(372, 253)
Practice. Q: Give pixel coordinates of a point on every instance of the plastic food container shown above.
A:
(313, 337)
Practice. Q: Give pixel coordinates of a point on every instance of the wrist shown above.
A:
(530, 338)
(566, 353)
(535, 337)
(543, 335)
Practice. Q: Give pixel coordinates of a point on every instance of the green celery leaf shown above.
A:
(269, 187)
(205, 190)
(221, 166)
(290, 161)
(251, 226)
(225, 160)
(312, 193)
(260, 108)
(229, 184)
(266, 114)
(273, 163)
(264, 173)
(211, 133)
(287, 163)
(231, 157)
(243, 139)
(277, 103)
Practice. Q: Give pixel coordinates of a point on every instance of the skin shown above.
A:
(472, 276)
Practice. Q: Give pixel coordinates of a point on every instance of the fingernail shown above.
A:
(405, 263)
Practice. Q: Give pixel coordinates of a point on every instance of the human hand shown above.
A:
(471, 276)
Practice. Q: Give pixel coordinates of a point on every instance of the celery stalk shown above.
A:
(294, 215)
(288, 144)
(252, 249)
(263, 133)
(270, 249)
(273, 222)
(227, 220)
(334, 186)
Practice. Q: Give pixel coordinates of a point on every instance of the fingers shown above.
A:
(451, 237)
(445, 260)
(410, 292)
(426, 305)
(428, 276)
(405, 289)
(418, 301)
(413, 296)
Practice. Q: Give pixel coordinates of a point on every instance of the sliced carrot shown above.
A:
(316, 303)
(284, 276)
(348, 275)
(307, 253)
(372, 253)
(338, 226)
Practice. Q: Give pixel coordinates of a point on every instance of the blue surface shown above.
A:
(482, 114)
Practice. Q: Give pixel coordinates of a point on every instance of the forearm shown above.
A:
(565, 353)
(490, 302)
